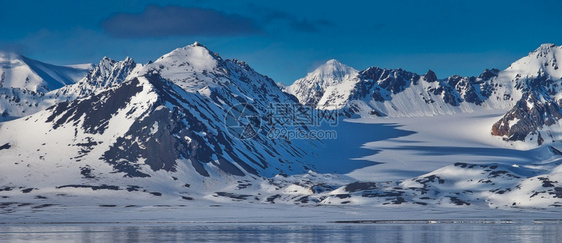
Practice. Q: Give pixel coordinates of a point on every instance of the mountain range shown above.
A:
(528, 87)
(194, 126)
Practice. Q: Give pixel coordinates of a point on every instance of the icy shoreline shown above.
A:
(246, 213)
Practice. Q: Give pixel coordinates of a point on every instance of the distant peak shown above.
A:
(430, 76)
(330, 73)
(129, 60)
(543, 61)
(488, 74)
(332, 64)
(194, 57)
(195, 49)
(106, 60)
(189, 49)
(545, 48)
(334, 68)
(197, 44)
(333, 61)
(547, 45)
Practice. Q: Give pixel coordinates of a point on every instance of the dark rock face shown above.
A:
(360, 186)
(449, 95)
(430, 76)
(97, 110)
(5, 146)
(159, 149)
(471, 90)
(100, 187)
(234, 196)
(382, 85)
(538, 107)
(457, 89)
(86, 172)
(531, 113)
(489, 74)
(164, 136)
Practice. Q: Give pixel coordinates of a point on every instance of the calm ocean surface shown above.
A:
(223, 232)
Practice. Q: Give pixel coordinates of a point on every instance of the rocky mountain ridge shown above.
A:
(533, 80)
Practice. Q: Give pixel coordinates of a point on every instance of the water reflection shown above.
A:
(283, 233)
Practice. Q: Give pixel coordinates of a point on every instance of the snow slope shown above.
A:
(27, 74)
(24, 82)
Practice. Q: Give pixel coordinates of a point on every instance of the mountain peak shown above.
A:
(108, 63)
(194, 58)
(128, 60)
(544, 60)
(106, 74)
(546, 46)
(430, 76)
(310, 89)
(333, 62)
(106, 60)
(195, 55)
(546, 49)
(332, 69)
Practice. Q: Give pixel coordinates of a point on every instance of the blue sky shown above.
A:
(286, 39)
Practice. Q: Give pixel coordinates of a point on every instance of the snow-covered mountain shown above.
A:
(24, 83)
(539, 80)
(332, 79)
(168, 125)
(397, 92)
(530, 88)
